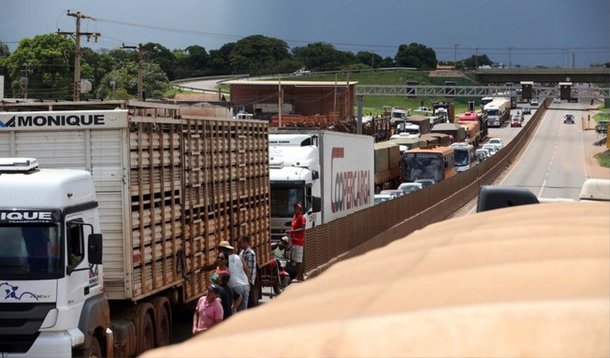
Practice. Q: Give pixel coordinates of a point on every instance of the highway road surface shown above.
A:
(553, 164)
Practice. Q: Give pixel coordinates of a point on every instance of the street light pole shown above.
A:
(455, 46)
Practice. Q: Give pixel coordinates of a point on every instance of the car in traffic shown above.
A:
(394, 193)
(380, 198)
(491, 148)
(410, 187)
(527, 110)
(568, 118)
(497, 142)
(426, 182)
(481, 154)
(301, 72)
(515, 121)
(534, 102)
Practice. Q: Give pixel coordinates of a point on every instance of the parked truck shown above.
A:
(472, 125)
(498, 111)
(162, 190)
(456, 131)
(330, 173)
(387, 166)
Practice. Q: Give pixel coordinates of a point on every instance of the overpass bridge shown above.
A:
(544, 75)
(582, 93)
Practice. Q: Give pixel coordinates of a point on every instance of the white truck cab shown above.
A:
(50, 260)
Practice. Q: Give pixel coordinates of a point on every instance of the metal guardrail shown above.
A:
(379, 225)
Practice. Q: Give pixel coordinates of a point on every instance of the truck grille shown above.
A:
(19, 325)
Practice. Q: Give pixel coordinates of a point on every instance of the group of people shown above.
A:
(232, 281)
(235, 274)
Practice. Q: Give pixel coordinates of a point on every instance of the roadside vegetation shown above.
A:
(603, 159)
(48, 62)
(604, 113)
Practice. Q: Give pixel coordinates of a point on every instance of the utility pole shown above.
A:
(455, 46)
(280, 101)
(510, 57)
(573, 59)
(76, 36)
(140, 50)
(476, 58)
(25, 79)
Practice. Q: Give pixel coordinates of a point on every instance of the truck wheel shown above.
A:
(93, 351)
(147, 338)
(163, 327)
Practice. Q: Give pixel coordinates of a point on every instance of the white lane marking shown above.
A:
(542, 188)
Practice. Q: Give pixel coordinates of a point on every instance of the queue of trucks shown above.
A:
(463, 136)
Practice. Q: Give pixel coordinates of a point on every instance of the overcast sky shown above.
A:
(544, 32)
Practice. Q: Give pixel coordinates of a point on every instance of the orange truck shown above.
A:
(472, 123)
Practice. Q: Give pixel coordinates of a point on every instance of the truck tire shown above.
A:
(147, 334)
(93, 351)
(163, 326)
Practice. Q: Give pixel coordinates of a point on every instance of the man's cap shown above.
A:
(225, 244)
(285, 239)
(297, 205)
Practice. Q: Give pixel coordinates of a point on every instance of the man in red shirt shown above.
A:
(297, 234)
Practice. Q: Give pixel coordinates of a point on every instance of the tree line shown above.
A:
(43, 67)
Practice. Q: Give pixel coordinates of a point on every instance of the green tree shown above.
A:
(370, 59)
(473, 61)
(191, 62)
(323, 56)
(258, 54)
(122, 82)
(50, 59)
(387, 62)
(416, 55)
(4, 55)
(218, 63)
(161, 55)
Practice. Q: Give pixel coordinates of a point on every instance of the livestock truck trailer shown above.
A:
(108, 219)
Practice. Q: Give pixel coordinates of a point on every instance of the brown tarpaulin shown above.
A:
(525, 281)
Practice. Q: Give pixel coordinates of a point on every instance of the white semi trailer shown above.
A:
(330, 173)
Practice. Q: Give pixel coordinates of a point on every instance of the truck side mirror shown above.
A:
(316, 204)
(95, 249)
(315, 175)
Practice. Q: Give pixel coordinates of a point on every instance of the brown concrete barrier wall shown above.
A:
(381, 224)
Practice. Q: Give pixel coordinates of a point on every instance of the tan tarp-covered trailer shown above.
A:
(523, 281)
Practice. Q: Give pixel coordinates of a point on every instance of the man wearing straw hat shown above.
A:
(239, 274)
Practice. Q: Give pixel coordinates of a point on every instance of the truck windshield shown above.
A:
(283, 200)
(492, 112)
(30, 252)
(461, 157)
(423, 166)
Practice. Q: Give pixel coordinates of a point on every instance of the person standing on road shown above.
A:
(297, 234)
(208, 312)
(239, 274)
(221, 277)
(249, 256)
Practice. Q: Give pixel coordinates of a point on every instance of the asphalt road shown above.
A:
(553, 163)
